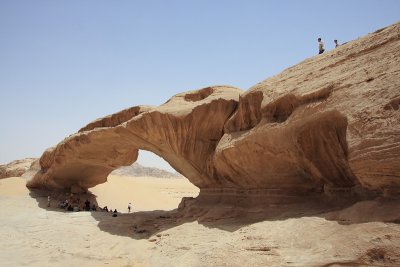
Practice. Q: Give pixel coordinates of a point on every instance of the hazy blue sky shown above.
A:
(66, 63)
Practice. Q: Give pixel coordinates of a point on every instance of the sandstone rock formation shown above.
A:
(330, 123)
(15, 168)
(184, 131)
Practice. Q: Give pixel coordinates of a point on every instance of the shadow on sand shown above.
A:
(143, 225)
(41, 197)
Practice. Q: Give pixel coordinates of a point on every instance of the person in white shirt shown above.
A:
(321, 46)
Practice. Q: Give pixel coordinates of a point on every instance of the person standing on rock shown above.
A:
(48, 201)
(336, 43)
(321, 46)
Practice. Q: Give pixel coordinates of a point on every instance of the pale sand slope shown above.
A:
(32, 236)
(145, 193)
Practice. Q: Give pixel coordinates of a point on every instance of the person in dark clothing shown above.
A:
(336, 43)
(115, 213)
(87, 205)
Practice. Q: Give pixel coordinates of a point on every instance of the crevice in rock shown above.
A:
(249, 111)
(247, 114)
(393, 104)
(280, 109)
(199, 95)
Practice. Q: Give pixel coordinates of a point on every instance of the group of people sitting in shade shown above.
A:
(74, 204)
(321, 47)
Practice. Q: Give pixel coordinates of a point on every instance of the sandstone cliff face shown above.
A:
(350, 93)
(330, 123)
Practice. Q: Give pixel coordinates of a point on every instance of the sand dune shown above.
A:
(34, 236)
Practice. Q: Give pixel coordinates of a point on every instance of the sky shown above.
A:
(65, 63)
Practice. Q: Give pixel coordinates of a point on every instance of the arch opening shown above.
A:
(148, 184)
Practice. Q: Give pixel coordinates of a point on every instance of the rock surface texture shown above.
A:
(328, 124)
(16, 168)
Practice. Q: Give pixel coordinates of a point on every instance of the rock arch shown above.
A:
(319, 125)
(182, 131)
(190, 135)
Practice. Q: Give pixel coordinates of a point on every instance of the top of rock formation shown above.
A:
(328, 124)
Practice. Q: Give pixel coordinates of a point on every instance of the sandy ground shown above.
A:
(364, 234)
(145, 193)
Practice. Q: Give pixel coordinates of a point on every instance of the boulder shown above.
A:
(16, 168)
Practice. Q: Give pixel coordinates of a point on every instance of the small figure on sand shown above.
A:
(129, 207)
(115, 213)
(321, 46)
(48, 201)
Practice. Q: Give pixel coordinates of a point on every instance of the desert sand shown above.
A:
(145, 193)
(363, 234)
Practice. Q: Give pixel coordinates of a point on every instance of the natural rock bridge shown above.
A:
(331, 122)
